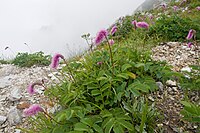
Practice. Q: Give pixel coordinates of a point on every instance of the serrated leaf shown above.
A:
(123, 75)
(139, 65)
(132, 75)
(118, 129)
(109, 125)
(125, 67)
(186, 103)
(101, 78)
(69, 114)
(80, 127)
(97, 128)
(126, 124)
(87, 121)
(95, 92)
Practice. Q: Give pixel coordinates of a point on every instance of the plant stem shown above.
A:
(111, 56)
(70, 71)
(52, 118)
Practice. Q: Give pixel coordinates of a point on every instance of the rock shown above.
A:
(2, 119)
(160, 86)
(4, 82)
(17, 131)
(15, 94)
(151, 98)
(171, 83)
(186, 69)
(14, 116)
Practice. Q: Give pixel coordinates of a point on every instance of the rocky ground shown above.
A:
(14, 97)
(13, 93)
(168, 98)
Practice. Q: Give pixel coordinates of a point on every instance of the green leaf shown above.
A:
(87, 121)
(109, 125)
(102, 78)
(186, 103)
(97, 128)
(69, 114)
(139, 65)
(81, 127)
(95, 92)
(132, 75)
(118, 129)
(123, 75)
(125, 67)
(126, 124)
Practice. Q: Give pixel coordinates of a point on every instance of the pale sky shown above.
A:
(56, 25)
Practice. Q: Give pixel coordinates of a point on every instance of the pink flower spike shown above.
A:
(175, 8)
(113, 30)
(111, 42)
(31, 90)
(134, 24)
(190, 44)
(32, 110)
(198, 8)
(190, 34)
(55, 60)
(142, 25)
(101, 35)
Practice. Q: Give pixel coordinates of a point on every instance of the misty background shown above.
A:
(56, 26)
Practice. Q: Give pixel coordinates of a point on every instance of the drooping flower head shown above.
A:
(198, 8)
(142, 25)
(190, 44)
(32, 110)
(99, 63)
(55, 60)
(184, 1)
(111, 42)
(101, 35)
(175, 8)
(113, 30)
(151, 17)
(31, 89)
(164, 6)
(190, 34)
(134, 24)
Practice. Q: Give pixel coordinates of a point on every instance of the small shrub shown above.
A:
(191, 112)
(173, 28)
(191, 80)
(28, 60)
(2, 61)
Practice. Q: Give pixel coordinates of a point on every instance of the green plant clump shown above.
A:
(173, 28)
(28, 60)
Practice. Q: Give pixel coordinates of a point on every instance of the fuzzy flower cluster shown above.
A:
(31, 89)
(111, 42)
(142, 25)
(190, 44)
(190, 34)
(175, 8)
(113, 30)
(198, 8)
(101, 35)
(32, 110)
(55, 60)
(134, 24)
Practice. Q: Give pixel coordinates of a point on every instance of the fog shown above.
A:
(56, 26)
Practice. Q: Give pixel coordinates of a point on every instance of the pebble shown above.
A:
(2, 119)
(14, 116)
